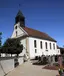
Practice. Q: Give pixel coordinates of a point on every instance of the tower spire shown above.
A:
(20, 18)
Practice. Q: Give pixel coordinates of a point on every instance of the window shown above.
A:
(41, 44)
(53, 46)
(35, 50)
(15, 27)
(35, 43)
(50, 45)
(16, 33)
(46, 45)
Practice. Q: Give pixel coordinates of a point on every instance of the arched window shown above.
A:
(46, 45)
(41, 44)
(35, 43)
(50, 46)
(53, 46)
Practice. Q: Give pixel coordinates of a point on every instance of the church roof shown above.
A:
(19, 14)
(35, 33)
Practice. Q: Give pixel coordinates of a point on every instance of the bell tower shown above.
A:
(20, 18)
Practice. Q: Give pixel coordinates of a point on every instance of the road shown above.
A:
(27, 69)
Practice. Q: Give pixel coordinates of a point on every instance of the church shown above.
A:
(35, 43)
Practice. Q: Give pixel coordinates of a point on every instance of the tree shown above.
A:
(12, 46)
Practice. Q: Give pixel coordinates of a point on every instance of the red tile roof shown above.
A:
(34, 33)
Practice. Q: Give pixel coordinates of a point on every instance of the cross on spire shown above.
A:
(19, 5)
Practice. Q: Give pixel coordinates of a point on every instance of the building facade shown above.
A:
(35, 43)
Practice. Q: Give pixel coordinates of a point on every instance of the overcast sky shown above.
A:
(43, 15)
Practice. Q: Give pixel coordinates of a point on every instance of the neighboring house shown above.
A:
(35, 43)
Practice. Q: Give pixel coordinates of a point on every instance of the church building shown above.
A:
(35, 43)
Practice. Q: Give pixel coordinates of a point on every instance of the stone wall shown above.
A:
(7, 64)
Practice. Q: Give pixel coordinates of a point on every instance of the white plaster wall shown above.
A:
(1, 72)
(30, 47)
(20, 31)
(20, 60)
(43, 50)
(23, 42)
(7, 65)
(58, 51)
(14, 31)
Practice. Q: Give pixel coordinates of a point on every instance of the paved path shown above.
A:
(27, 69)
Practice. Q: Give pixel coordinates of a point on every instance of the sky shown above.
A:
(43, 15)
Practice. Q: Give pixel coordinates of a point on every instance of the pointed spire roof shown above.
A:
(19, 14)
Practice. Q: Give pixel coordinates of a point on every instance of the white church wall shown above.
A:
(27, 47)
(14, 32)
(23, 42)
(28, 44)
(19, 30)
(58, 51)
(40, 51)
